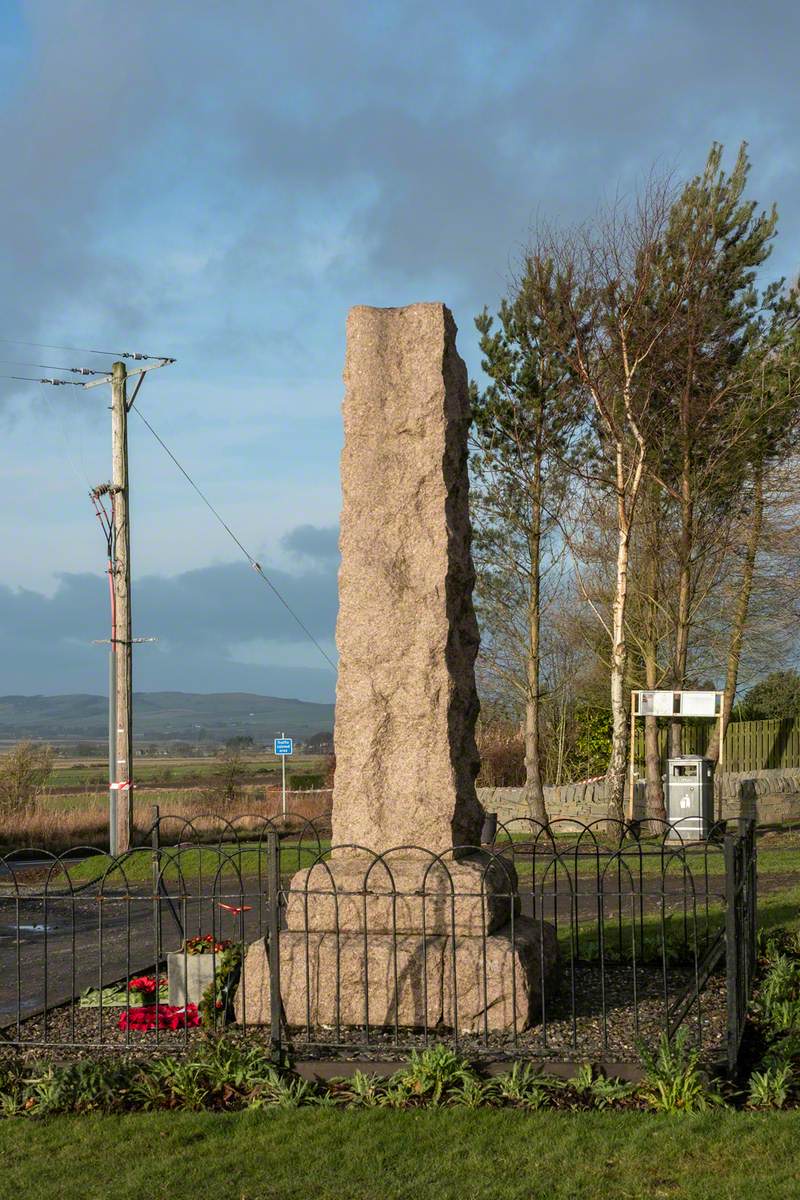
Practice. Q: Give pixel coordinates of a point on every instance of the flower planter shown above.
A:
(189, 976)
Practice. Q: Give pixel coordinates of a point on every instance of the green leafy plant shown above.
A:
(674, 1081)
(524, 1087)
(216, 1005)
(770, 1088)
(783, 1016)
(430, 1077)
(774, 943)
(285, 1091)
(607, 1092)
(183, 1082)
(784, 1049)
(781, 980)
(234, 1066)
(359, 1091)
(82, 1087)
(473, 1092)
(12, 1085)
(597, 1090)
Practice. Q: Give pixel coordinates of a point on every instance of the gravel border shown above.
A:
(72, 1033)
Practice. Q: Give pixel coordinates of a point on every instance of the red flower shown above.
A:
(205, 943)
(145, 984)
(159, 1016)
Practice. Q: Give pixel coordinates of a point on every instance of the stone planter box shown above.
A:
(189, 975)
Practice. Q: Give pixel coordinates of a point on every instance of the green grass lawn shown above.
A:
(779, 855)
(412, 1155)
(191, 863)
(780, 908)
(771, 861)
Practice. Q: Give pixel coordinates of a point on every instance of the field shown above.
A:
(162, 772)
(380, 1155)
(72, 810)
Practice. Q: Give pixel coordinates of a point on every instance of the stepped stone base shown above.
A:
(467, 982)
(404, 895)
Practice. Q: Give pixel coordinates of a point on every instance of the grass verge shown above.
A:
(379, 1155)
(231, 861)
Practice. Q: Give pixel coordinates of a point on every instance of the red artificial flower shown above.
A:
(159, 1016)
(206, 943)
(145, 984)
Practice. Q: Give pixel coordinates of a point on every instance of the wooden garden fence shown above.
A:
(749, 745)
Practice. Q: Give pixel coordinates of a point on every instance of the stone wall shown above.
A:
(772, 797)
(585, 802)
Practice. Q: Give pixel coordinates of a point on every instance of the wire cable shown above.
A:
(253, 562)
(54, 382)
(12, 362)
(86, 350)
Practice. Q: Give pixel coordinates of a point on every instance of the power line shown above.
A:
(54, 382)
(134, 354)
(253, 562)
(12, 362)
(103, 376)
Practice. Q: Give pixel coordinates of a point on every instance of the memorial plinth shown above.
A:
(407, 922)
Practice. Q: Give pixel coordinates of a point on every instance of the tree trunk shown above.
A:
(562, 738)
(684, 613)
(617, 767)
(655, 809)
(740, 612)
(534, 790)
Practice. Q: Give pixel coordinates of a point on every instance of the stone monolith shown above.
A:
(407, 636)
(408, 921)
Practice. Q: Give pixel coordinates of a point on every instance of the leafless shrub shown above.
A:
(24, 772)
(502, 750)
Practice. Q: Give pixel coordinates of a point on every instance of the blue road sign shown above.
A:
(284, 746)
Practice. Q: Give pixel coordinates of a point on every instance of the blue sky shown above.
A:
(220, 183)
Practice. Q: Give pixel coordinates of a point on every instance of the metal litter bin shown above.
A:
(690, 797)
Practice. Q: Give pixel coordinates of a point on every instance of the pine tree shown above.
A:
(526, 430)
(714, 243)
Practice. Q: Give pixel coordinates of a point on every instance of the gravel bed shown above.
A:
(566, 1037)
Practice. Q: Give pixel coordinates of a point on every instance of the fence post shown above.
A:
(750, 873)
(731, 952)
(155, 844)
(273, 944)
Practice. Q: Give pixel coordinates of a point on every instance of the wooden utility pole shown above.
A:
(122, 631)
(116, 528)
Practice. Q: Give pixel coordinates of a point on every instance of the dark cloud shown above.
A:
(391, 152)
(210, 624)
(221, 182)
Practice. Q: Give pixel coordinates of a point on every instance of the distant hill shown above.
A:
(165, 716)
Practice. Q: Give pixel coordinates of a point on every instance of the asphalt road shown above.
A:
(51, 950)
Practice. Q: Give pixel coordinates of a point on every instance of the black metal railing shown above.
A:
(559, 941)
(740, 931)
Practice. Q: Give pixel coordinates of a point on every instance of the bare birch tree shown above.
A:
(593, 292)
